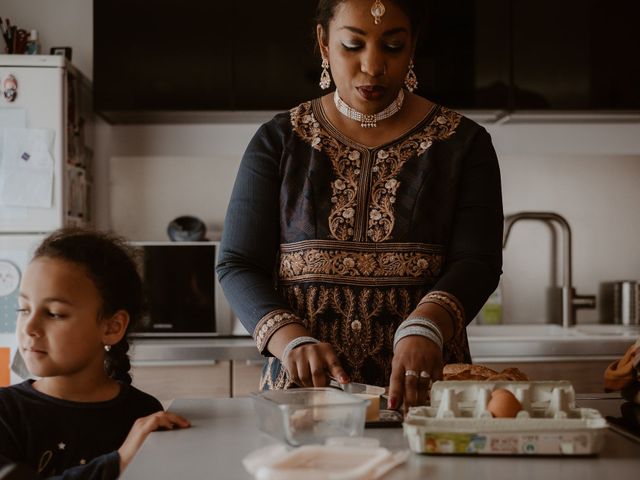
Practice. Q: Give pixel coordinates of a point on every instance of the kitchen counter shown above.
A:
(225, 430)
(500, 342)
(150, 350)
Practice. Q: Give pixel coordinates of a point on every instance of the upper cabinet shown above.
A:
(151, 58)
(462, 57)
(576, 54)
(163, 56)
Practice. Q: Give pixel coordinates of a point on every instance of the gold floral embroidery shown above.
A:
(355, 169)
(271, 322)
(359, 322)
(451, 304)
(279, 381)
(360, 263)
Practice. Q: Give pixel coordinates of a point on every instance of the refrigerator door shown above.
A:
(40, 103)
(15, 253)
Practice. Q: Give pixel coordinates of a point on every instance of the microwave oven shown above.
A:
(182, 293)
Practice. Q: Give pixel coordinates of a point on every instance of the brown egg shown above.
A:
(503, 404)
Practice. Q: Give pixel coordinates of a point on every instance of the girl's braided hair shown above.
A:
(111, 263)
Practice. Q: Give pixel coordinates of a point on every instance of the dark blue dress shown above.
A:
(348, 239)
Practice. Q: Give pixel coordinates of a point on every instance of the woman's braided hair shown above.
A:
(111, 263)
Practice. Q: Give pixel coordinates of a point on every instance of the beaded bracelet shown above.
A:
(424, 322)
(419, 331)
(296, 342)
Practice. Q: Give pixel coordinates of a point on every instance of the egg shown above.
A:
(503, 404)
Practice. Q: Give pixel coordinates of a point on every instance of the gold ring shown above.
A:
(410, 373)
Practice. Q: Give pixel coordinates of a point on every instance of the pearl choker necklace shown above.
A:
(368, 120)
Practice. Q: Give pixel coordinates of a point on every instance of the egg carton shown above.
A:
(458, 422)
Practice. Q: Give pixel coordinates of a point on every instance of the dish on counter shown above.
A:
(301, 416)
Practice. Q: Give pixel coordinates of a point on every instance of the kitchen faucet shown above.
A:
(570, 299)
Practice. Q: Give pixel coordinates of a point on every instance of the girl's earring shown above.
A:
(325, 78)
(411, 81)
(107, 348)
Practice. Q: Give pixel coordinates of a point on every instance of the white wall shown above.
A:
(60, 23)
(588, 172)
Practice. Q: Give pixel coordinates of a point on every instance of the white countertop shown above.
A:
(225, 430)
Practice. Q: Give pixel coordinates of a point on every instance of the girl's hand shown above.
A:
(414, 354)
(311, 365)
(142, 428)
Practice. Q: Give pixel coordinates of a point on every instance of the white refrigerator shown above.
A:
(46, 140)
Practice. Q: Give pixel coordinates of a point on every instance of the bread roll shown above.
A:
(467, 371)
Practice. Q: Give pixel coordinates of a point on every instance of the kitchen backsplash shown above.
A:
(183, 169)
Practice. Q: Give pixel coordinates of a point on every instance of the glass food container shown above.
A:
(309, 415)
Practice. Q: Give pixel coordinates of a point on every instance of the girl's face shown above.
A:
(59, 330)
(368, 62)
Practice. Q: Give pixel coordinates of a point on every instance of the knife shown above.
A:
(354, 387)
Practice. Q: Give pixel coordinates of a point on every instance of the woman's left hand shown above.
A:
(415, 358)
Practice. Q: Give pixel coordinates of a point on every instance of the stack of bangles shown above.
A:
(420, 326)
(296, 342)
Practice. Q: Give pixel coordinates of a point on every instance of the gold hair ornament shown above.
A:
(377, 10)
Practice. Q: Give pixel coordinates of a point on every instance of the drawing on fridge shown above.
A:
(46, 140)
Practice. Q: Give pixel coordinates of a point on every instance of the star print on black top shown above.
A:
(72, 440)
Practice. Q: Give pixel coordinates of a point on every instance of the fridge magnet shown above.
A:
(9, 278)
(10, 86)
(66, 51)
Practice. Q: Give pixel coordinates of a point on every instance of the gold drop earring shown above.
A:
(411, 81)
(325, 78)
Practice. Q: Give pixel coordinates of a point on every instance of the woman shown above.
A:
(364, 229)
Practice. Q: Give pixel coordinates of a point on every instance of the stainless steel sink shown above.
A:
(546, 342)
(555, 331)
(517, 331)
(632, 331)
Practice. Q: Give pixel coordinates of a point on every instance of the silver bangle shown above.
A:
(424, 322)
(419, 331)
(296, 342)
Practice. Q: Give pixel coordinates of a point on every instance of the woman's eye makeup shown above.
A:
(351, 45)
(390, 46)
(394, 46)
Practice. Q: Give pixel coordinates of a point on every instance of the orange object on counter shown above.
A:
(621, 373)
(503, 404)
(5, 371)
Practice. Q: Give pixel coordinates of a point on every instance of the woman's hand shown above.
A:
(141, 429)
(311, 365)
(414, 354)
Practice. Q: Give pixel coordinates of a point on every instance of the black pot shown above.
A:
(187, 229)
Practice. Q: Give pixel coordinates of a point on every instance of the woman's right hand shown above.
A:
(142, 428)
(312, 365)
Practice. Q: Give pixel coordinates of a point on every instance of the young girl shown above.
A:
(79, 297)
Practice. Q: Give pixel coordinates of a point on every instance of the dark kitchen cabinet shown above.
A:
(204, 56)
(576, 55)
(162, 55)
(462, 58)
(275, 65)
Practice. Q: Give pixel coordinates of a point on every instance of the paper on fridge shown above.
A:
(11, 118)
(26, 168)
